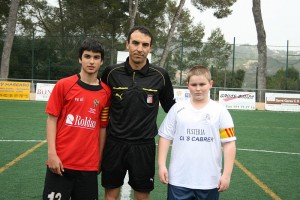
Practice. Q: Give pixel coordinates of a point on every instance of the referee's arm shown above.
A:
(104, 75)
(166, 97)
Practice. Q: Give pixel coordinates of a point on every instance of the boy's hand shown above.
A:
(163, 175)
(224, 183)
(55, 165)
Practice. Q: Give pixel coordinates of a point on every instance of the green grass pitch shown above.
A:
(268, 152)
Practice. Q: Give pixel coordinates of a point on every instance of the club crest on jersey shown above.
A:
(96, 103)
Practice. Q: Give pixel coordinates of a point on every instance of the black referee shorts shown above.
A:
(138, 158)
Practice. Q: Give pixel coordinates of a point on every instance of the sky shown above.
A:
(280, 18)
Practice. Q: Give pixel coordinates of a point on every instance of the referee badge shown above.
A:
(149, 98)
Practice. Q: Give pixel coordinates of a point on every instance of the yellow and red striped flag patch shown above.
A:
(227, 133)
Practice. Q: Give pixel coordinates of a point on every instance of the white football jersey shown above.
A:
(197, 134)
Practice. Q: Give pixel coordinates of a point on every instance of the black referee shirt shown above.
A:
(136, 95)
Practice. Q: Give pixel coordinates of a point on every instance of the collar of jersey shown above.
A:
(143, 71)
(87, 86)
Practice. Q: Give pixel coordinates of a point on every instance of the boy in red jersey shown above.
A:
(76, 129)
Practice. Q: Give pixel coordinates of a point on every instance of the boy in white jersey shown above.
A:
(198, 128)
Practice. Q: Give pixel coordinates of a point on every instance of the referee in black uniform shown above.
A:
(137, 89)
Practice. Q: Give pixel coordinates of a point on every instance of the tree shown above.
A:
(219, 81)
(279, 80)
(216, 53)
(133, 8)
(187, 42)
(11, 28)
(4, 12)
(238, 79)
(170, 34)
(194, 54)
(262, 49)
(62, 28)
(192, 51)
(217, 49)
(221, 10)
(221, 6)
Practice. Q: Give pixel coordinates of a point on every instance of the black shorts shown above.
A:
(78, 185)
(138, 158)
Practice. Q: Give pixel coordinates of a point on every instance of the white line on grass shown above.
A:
(265, 151)
(22, 140)
(257, 150)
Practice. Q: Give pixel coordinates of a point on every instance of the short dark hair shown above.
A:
(91, 44)
(141, 29)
